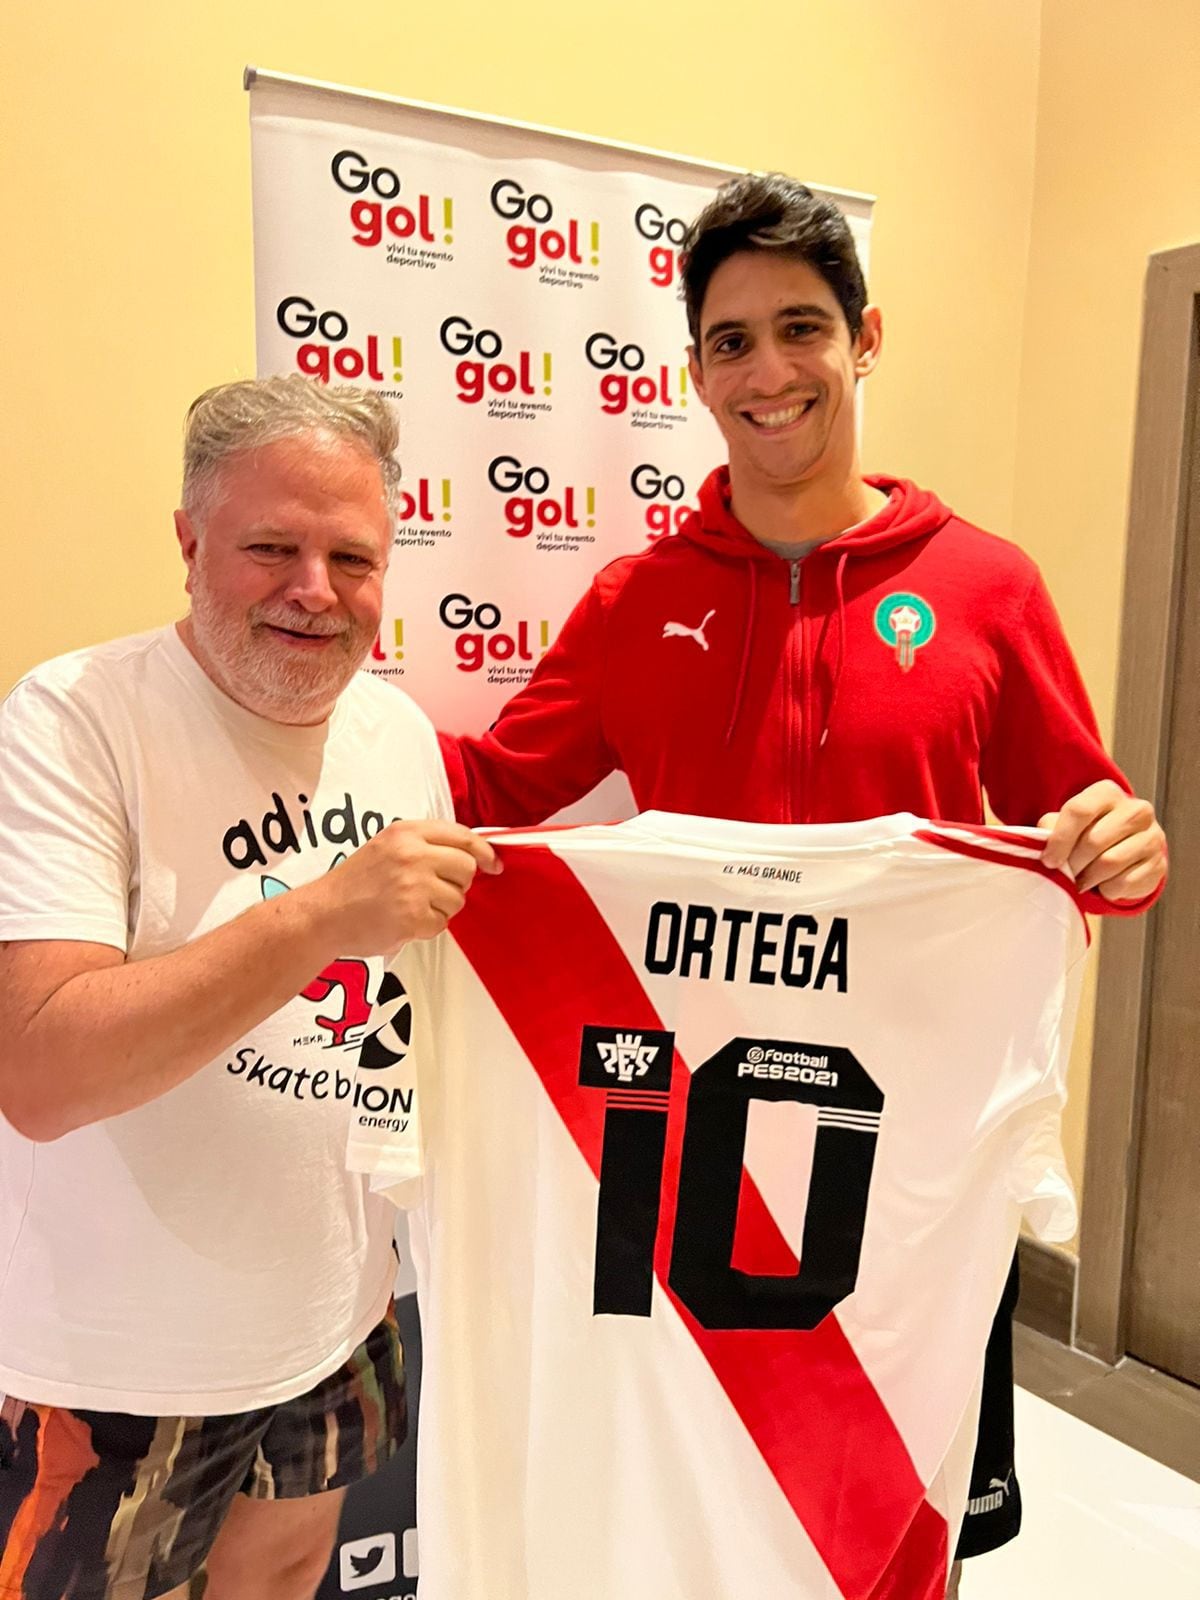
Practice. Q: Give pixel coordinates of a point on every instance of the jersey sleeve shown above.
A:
(547, 747)
(1044, 745)
(66, 854)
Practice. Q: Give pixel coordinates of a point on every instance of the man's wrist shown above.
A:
(304, 920)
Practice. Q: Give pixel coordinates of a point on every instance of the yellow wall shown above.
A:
(1118, 177)
(128, 221)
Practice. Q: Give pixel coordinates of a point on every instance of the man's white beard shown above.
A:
(262, 673)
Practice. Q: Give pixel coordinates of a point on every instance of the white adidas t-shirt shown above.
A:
(207, 1252)
(728, 1130)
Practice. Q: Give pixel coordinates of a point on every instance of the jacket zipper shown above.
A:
(799, 721)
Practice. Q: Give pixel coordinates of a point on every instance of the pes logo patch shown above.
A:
(634, 1058)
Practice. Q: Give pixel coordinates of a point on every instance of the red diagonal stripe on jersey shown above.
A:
(758, 1251)
(834, 1450)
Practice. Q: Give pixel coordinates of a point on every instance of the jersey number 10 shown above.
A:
(634, 1068)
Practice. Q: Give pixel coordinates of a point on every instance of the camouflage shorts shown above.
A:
(97, 1505)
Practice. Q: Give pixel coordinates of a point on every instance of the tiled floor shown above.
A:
(1101, 1521)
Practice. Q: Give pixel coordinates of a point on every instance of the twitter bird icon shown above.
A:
(368, 1561)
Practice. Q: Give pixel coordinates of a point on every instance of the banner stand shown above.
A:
(512, 290)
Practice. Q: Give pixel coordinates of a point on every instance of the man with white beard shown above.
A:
(207, 846)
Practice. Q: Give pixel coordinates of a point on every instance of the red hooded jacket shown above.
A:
(907, 665)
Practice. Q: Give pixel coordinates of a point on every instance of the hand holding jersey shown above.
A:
(406, 883)
(1110, 840)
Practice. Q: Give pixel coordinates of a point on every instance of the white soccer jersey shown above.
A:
(727, 1134)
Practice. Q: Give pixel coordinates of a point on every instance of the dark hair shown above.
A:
(770, 211)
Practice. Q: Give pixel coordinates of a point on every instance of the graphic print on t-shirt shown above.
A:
(344, 1007)
(342, 988)
(347, 975)
(389, 1018)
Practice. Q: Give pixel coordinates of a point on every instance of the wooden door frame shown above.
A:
(1158, 510)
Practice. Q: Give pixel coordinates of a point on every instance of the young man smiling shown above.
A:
(816, 645)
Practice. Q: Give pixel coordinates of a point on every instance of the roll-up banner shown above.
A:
(513, 292)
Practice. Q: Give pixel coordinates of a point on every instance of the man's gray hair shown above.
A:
(252, 412)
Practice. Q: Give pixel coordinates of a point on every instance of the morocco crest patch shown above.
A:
(906, 622)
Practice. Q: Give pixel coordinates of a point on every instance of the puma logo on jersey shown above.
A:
(680, 630)
(992, 1501)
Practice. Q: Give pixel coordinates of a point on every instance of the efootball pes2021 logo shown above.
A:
(906, 622)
